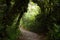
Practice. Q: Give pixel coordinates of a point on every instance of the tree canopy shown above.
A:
(39, 16)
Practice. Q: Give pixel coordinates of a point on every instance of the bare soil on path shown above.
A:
(28, 35)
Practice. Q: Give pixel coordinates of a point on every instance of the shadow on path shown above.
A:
(27, 35)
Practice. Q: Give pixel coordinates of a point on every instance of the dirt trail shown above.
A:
(27, 35)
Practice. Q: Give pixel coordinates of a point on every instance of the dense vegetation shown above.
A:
(52, 17)
(11, 11)
(41, 17)
(47, 21)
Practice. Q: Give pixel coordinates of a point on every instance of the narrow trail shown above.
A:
(27, 35)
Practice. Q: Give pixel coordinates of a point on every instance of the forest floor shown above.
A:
(28, 35)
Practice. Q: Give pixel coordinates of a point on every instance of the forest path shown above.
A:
(27, 35)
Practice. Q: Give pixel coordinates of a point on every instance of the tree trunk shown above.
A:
(11, 19)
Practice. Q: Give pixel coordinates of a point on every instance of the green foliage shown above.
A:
(47, 21)
(13, 31)
(28, 19)
(11, 12)
(43, 17)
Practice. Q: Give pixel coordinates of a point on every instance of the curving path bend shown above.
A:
(27, 35)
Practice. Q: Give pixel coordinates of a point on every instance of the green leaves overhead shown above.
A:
(29, 17)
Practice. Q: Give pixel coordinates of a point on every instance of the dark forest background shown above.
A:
(39, 16)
